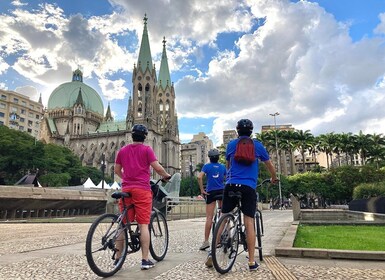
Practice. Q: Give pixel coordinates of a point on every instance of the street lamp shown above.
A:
(103, 168)
(278, 159)
(191, 177)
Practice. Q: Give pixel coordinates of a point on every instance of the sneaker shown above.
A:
(253, 266)
(204, 246)
(147, 264)
(209, 261)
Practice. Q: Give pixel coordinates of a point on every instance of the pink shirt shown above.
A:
(135, 160)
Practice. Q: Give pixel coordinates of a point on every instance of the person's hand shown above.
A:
(166, 178)
(204, 193)
(274, 180)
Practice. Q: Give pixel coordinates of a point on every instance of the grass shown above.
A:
(341, 237)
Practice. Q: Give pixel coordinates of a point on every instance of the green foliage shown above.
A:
(20, 153)
(368, 190)
(55, 180)
(189, 187)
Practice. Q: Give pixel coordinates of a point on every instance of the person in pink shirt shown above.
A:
(133, 164)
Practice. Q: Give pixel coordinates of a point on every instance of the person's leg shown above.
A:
(144, 240)
(250, 236)
(210, 208)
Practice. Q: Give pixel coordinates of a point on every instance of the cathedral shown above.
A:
(75, 115)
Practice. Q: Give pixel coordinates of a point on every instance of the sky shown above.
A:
(319, 64)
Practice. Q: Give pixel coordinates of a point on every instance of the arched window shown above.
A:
(161, 106)
(140, 91)
(140, 109)
(167, 106)
(147, 88)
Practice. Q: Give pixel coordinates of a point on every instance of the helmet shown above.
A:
(139, 130)
(213, 153)
(245, 126)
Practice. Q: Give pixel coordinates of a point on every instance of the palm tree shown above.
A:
(377, 151)
(327, 144)
(303, 141)
(363, 142)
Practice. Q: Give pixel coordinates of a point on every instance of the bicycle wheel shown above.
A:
(224, 246)
(261, 219)
(258, 233)
(158, 236)
(105, 240)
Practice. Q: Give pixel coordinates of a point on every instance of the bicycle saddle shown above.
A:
(118, 195)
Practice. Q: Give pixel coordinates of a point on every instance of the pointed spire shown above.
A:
(79, 99)
(164, 72)
(108, 117)
(144, 59)
(40, 100)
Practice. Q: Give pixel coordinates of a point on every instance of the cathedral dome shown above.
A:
(65, 95)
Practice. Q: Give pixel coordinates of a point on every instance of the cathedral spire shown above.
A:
(108, 117)
(79, 99)
(40, 100)
(164, 72)
(144, 59)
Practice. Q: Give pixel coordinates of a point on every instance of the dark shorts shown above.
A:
(248, 201)
(213, 196)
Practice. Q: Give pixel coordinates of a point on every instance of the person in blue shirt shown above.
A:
(244, 177)
(215, 173)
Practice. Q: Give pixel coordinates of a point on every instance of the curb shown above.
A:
(286, 249)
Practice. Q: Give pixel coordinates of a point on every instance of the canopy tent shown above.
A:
(115, 186)
(88, 184)
(106, 186)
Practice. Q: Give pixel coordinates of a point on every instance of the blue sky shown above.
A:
(320, 64)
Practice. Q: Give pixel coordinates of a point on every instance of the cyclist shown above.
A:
(215, 173)
(243, 177)
(132, 164)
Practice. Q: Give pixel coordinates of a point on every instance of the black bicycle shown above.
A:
(230, 232)
(111, 237)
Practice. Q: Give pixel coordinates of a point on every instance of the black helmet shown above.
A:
(139, 132)
(244, 127)
(213, 153)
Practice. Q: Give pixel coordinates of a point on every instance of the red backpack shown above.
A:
(245, 151)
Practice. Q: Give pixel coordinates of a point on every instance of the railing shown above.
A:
(179, 208)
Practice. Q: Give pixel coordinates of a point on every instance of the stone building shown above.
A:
(75, 115)
(18, 112)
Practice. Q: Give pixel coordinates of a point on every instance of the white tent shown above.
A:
(115, 186)
(106, 186)
(88, 184)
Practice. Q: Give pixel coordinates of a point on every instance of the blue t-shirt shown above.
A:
(244, 174)
(216, 173)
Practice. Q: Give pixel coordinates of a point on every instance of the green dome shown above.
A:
(65, 96)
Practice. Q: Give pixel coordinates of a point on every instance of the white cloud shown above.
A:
(29, 91)
(113, 89)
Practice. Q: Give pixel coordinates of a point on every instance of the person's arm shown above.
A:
(160, 170)
(200, 181)
(118, 170)
(271, 169)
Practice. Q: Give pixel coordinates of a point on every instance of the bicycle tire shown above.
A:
(224, 246)
(100, 245)
(262, 228)
(158, 236)
(258, 234)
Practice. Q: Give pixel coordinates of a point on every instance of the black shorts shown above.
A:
(248, 201)
(212, 194)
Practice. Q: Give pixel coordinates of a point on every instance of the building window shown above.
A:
(1, 123)
(29, 130)
(22, 119)
(21, 128)
(31, 106)
(16, 100)
(1, 114)
(30, 115)
(24, 103)
(4, 97)
(30, 123)
(2, 106)
(37, 117)
(22, 111)
(13, 109)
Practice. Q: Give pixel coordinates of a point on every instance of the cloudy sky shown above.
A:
(320, 64)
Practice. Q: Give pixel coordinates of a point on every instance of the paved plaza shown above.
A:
(56, 251)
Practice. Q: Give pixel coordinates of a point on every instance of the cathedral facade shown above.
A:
(75, 116)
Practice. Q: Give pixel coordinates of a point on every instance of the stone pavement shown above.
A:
(56, 251)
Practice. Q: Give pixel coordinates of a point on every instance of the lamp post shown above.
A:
(103, 168)
(278, 159)
(191, 177)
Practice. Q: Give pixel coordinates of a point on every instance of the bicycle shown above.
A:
(217, 214)
(111, 237)
(230, 232)
(259, 230)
